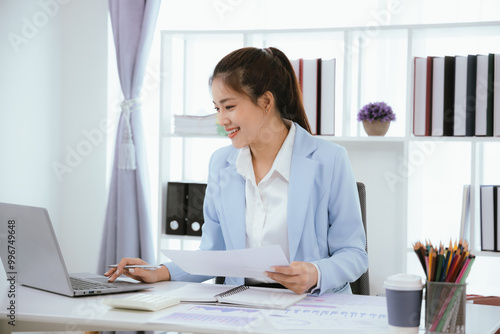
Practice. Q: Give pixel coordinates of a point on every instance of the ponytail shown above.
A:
(253, 71)
(292, 106)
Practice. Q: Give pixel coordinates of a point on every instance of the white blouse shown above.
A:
(266, 202)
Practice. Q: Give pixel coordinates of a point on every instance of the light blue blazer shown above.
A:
(324, 217)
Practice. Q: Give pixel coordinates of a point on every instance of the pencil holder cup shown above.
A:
(445, 307)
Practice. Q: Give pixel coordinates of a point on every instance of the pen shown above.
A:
(141, 266)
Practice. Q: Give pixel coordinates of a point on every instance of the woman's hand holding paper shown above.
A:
(298, 277)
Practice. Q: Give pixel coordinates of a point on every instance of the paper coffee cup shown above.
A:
(404, 302)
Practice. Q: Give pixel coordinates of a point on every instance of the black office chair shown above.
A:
(362, 285)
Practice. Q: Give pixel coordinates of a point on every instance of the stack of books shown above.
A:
(197, 125)
(317, 81)
(456, 96)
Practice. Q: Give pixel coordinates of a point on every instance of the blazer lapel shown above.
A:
(232, 189)
(302, 176)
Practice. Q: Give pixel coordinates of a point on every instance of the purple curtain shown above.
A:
(127, 226)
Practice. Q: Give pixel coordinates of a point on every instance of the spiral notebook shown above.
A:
(242, 296)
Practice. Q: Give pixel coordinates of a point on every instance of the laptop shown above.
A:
(29, 250)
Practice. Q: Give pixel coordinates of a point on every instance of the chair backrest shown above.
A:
(362, 285)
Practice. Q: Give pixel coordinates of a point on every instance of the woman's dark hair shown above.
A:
(252, 71)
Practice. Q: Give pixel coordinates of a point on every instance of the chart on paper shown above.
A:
(211, 316)
(332, 310)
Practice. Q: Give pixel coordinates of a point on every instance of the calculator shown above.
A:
(142, 302)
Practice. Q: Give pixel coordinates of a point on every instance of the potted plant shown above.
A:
(376, 118)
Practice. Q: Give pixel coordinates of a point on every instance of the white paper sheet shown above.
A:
(250, 263)
(332, 311)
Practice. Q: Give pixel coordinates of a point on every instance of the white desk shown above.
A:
(42, 311)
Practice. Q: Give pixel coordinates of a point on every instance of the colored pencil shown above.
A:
(444, 264)
(439, 265)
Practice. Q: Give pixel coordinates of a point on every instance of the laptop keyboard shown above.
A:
(87, 284)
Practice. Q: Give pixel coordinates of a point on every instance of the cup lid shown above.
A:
(403, 282)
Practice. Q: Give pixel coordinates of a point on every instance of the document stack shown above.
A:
(197, 125)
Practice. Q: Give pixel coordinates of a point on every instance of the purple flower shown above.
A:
(378, 111)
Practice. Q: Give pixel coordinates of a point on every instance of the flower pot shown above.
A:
(376, 128)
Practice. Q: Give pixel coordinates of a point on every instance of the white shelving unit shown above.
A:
(397, 193)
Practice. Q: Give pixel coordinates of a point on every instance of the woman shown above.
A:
(276, 184)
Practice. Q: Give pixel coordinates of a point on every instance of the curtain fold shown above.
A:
(128, 227)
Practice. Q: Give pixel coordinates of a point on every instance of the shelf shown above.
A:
(192, 135)
(337, 29)
(325, 137)
(180, 237)
(456, 139)
(374, 139)
(406, 176)
(362, 138)
(487, 254)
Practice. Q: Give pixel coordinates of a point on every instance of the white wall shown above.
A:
(83, 96)
(385, 223)
(29, 106)
(286, 14)
(53, 92)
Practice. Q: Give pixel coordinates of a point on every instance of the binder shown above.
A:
(437, 96)
(428, 98)
(194, 206)
(490, 101)
(297, 68)
(419, 96)
(449, 96)
(484, 95)
(460, 95)
(176, 208)
(465, 217)
(497, 217)
(488, 209)
(319, 64)
(470, 108)
(496, 97)
(326, 98)
(310, 91)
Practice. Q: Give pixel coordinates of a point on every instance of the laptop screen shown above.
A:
(34, 255)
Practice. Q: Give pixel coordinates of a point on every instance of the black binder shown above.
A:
(470, 107)
(195, 197)
(449, 96)
(176, 208)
